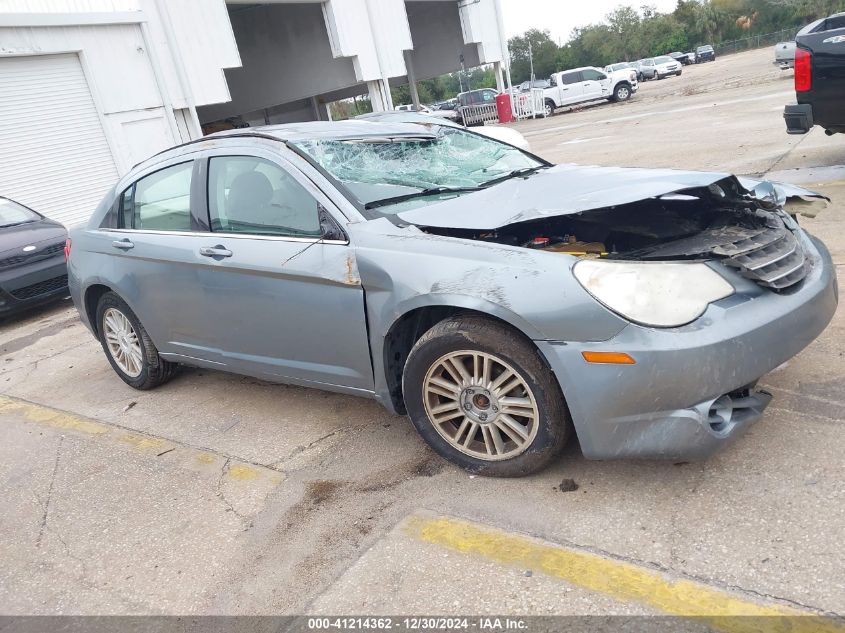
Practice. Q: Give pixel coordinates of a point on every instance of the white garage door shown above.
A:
(54, 156)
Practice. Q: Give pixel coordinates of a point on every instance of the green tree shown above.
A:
(544, 50)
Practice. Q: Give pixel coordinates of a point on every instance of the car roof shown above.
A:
(306, 131)
(327, 130)
(575, 70)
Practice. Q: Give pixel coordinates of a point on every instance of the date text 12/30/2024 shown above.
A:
(415, 624)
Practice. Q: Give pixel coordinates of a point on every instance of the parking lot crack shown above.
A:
(45, 516)
(224, 470)
(146, 434)
(299, 450)
(795, 603)
(700, 578)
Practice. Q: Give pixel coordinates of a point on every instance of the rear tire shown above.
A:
(482, 397)
(128, 347)
(549, 108)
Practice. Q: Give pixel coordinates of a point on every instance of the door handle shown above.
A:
(215, 251)
(125, 244)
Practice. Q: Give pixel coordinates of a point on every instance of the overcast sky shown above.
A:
(561, 16)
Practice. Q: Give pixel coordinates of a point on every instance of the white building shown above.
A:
(89, 88)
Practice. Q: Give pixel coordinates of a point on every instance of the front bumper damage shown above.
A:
(692, 389)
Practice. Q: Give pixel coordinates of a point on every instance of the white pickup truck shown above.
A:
(785, 55)
(588, 84)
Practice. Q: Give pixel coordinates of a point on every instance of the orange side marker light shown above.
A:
(608, 358)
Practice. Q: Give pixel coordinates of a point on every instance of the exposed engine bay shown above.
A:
(752, 235)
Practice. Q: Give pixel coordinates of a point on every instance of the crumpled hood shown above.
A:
(566, 190)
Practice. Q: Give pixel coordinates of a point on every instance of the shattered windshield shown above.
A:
(416, 171)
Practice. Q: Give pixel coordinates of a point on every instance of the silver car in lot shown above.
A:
(498, 300)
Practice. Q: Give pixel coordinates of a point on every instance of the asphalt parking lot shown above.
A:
(218, 494)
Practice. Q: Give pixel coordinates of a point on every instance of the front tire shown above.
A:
(622, 92)
(128, 347)
(483, 398)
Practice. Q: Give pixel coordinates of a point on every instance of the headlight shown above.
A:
(657, 294)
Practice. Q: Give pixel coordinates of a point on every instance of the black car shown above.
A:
(819, 78)
(32, 258)
(683, 58)
(705, 54)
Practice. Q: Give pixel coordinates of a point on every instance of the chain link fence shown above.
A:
(756, 41)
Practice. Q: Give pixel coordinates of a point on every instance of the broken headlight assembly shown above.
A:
(657, 294)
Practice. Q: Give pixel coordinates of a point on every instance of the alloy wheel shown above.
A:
(480, 405)
(122, 342)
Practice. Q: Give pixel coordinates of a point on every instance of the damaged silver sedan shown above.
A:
(503, 303)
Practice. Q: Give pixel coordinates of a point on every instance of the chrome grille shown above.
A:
(773, 258)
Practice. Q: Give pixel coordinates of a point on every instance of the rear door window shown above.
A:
(592, 75)
(570, 78)
(160, 201)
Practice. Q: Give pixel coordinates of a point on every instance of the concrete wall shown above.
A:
(483, 25)
(373, 33)
(191, 41)
(120, 76)
(286, 57)
(438, 39)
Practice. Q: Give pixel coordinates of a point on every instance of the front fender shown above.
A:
(535, 292)
(466, 302)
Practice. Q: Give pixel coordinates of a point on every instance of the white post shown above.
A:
(321, 110)
(378, 97)
(500, 81)
(412, 80)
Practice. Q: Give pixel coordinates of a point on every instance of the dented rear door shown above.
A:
(284, 306)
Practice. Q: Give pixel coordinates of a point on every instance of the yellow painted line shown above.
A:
(142, 442)
(63, 420)
(51, 417)
(623, 581)
(242, 472)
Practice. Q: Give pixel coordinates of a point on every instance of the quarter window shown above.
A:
(252, 195)
(160, 201)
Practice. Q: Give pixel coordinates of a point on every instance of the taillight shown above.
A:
(67, 249)
(803, 70)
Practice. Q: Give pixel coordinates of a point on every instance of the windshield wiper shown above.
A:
(431, 191)
(516, 173)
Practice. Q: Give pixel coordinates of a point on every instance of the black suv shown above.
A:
(705, 54)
